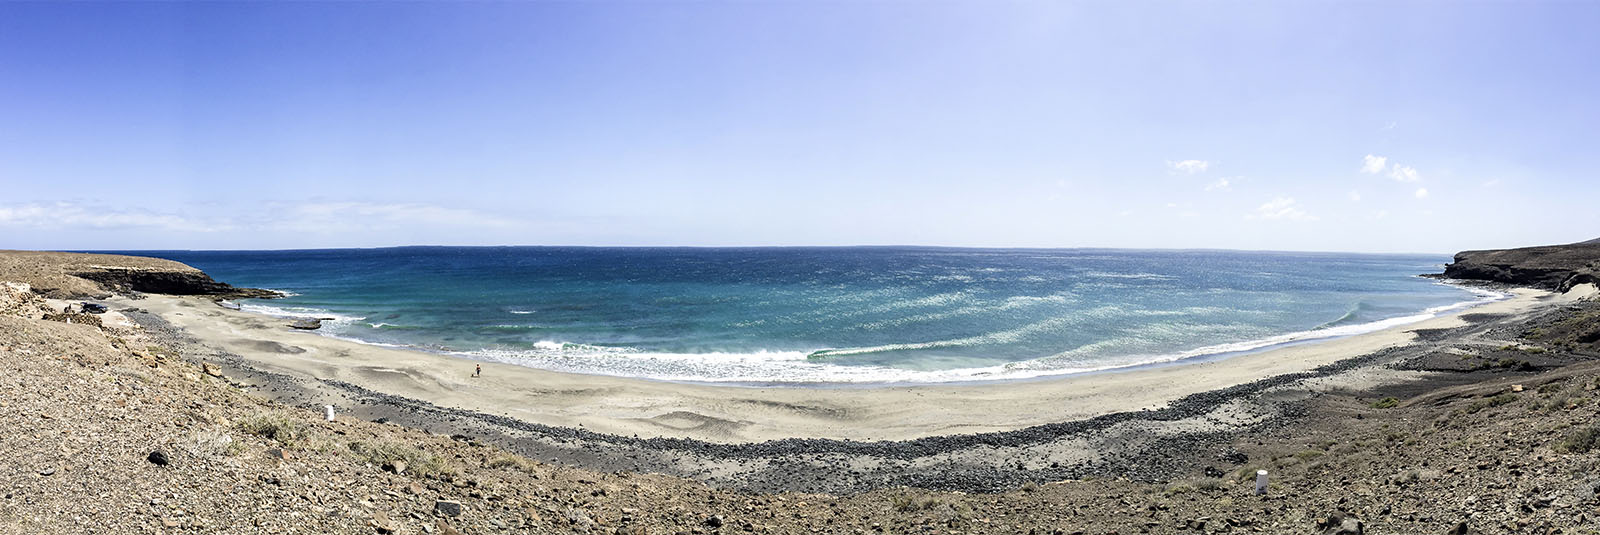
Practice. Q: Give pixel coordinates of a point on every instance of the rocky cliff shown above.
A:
(1554, 267)
(126, 280)
(82, 275)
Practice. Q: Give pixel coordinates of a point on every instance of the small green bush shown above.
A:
(1309, 454)
(1386, 403)
(1580, 441)
(1487, 403)
(273, 425)
(418, 462)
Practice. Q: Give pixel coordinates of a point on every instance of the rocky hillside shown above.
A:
(1552, 267)
(79, 275)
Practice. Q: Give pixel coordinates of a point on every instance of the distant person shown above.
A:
(478, 371)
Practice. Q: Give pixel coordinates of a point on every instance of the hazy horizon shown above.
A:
(1358, 127)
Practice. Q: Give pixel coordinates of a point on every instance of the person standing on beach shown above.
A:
(477, 371)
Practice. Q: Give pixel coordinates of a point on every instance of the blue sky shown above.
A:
(1392, 126)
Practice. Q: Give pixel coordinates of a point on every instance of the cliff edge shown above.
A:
(87, 275)
(1553, 267)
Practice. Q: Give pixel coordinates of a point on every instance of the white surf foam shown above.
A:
(795, 368)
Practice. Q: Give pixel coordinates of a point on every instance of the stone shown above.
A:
(714, 521)
(277, 454)
(445, 529)
(396, 466)
(307, 324)
(47, 472)
(383, 523)
(447, 508)
(158, 458)
(210, 369)
(1341, 524)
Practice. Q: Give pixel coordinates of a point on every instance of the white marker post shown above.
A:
(1261, 481)
(330, 411)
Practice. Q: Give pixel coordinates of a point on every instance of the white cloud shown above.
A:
(314, 217)
(1221, 184)
(1355, 196)
(1373, 165)
(336, 216)
(1491, 183)
(1282, 208)
(1404, 173)
(1422, 193)
(63, 215)
(1190, 166)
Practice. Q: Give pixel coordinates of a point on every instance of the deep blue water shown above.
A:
(856, 314)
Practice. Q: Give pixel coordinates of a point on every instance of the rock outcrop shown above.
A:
(95, 276)
(1553, 267)
(129, 280)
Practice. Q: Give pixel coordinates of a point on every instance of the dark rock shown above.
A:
(1342, 524)
(125, 281)
(1552, 267)
(47, 472)
(1212, 471)
(397, 466)
(307, 324)
(447, 508)
(158, 458)
(714, 521)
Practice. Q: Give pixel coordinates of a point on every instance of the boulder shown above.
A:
(1342, 524)
(447, 508)
(158, 458)
(383, 523)
(307, 324)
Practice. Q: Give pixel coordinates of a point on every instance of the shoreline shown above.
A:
(1208, 353)
(747, 414)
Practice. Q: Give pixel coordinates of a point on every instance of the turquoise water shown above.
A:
(835, 315)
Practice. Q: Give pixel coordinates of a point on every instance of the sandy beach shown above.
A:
(724, 414)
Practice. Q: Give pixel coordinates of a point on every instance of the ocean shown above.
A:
(836, 315)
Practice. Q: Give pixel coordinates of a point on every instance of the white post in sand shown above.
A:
(1261, 481)
(330, 411)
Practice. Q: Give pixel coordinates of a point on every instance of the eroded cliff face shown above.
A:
(85, 275)
(169, 282)
(1554, 267)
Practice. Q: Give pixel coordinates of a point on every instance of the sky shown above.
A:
(1354, 126)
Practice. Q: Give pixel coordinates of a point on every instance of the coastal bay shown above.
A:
(645, 408)
(1453, 404)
